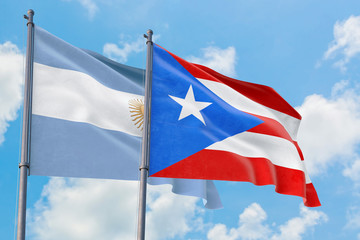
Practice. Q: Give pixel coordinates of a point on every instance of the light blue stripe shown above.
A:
(136, 75)
(52, 51)
(72, 149)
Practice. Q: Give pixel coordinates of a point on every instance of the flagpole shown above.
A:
(144, 167)
(25, 151)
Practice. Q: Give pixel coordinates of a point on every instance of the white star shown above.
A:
(190, 106)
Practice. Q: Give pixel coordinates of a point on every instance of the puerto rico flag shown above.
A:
(208, 126)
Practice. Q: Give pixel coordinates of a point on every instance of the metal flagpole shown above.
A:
(144, 167)
(25, 151)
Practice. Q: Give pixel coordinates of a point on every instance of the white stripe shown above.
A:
(245, 104)
(279, 151)
(75, 96)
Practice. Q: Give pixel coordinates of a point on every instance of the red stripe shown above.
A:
(261, 94)
(221, 165)
(311, 199)
(274, 128)
(270, 127)
(299, 150)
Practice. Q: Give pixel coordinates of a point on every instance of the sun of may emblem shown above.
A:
(137, 112)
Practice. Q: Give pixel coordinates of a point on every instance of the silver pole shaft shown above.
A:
(24, 164)
(144, 167)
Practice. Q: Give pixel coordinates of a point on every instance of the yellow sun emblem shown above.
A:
(137, 112)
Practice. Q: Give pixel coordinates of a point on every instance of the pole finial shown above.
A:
(149, 36)
(30, 16)
(31, 12)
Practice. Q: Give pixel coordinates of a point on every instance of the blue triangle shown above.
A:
(173, 140)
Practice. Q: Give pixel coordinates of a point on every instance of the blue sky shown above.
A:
(308, 51)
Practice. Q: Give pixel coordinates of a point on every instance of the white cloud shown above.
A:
(90, 6)
(330, 129)
(353, 218)
(353, 172)
(221, 60)
(220, 232)
(85, 209)
(11, 82)
(298, 226)
(252, 226)
(106, 209)
(346, 41)
(169, 215)
(251, 223)
(121, 54)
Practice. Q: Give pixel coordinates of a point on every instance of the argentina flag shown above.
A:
(87, 116)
